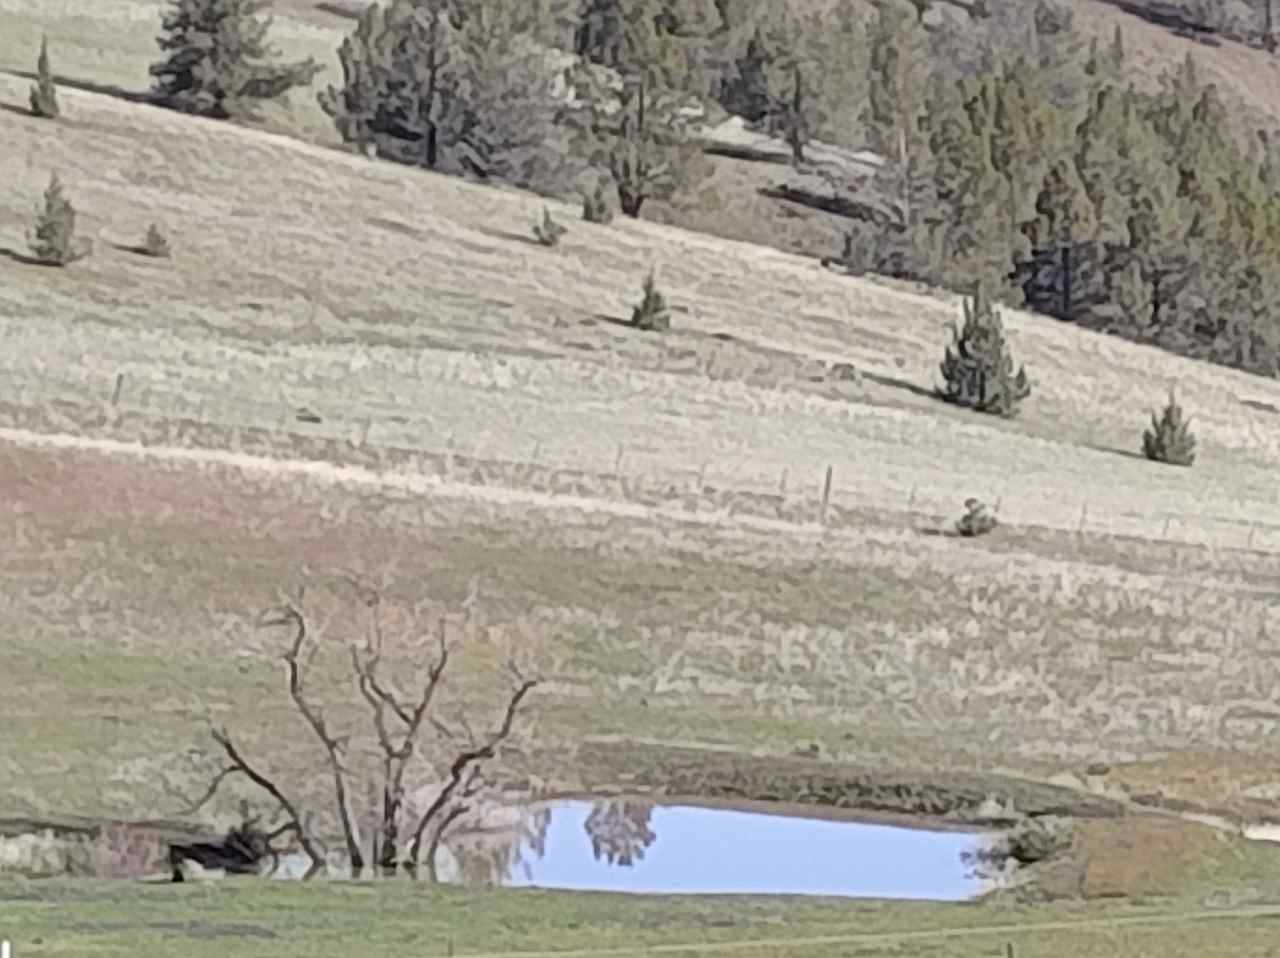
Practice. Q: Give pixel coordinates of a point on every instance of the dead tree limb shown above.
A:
(193, 807)
(290, 615)
(466, 761)
(295, 823)
(395, 757)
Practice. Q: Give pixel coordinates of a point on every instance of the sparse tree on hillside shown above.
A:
(651, 312)
(1169, 439)
(55, 241)
(218, 62)
(980, 372)
(156, 243)
(44, 94)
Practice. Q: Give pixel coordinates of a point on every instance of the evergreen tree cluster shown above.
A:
(1016, 153)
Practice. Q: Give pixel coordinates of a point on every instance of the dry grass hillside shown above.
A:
(108, 44)
(642, 505)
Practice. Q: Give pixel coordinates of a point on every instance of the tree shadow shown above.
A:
(16, 110)
(605, 318)
(1113, 450)
(26, 259)
(1259, 405)
(87, 86)
(138, 249)
(895, 383)
(514, 237)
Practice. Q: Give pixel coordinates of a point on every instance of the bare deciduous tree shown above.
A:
(395, 759)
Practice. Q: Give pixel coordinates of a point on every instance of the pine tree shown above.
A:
(979, 373)
(789, 80)
(219, 63)
(1059, 241)
(44, 94)
(55, 241)
(641, 133)
(1169, 439)
(899, 80)
(651, 312)
(156, 243)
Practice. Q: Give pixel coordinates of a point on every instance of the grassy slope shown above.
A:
(784, 649)
(409, 303)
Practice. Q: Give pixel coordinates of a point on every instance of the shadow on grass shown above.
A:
(16, 110)
(26, 259)
(136, 249)
(86, 86)
(1127, 453)
(527, 239)
(894, 383)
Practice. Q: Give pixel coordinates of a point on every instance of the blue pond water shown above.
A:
(632, 846)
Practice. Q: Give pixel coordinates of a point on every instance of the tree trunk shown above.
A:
(797, 108)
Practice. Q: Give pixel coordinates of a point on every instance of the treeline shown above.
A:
(1047, 174)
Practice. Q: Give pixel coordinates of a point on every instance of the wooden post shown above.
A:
(1084, 514)
(826, 494)
(1167, 520)
(115, 393)
(617, 463)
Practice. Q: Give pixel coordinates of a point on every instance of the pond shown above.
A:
(633, 845)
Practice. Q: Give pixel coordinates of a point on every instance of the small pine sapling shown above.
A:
(44, 94)
(548, 231)
(1169, 439)
(651, 312)
(976, 521)
(156, 244)
(979, 373)
(55, 241)
(595, 206)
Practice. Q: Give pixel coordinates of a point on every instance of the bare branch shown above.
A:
(465, 761)
(195, 806)
(295, 821)
(290, 615)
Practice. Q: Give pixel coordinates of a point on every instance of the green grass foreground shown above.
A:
(231, 919)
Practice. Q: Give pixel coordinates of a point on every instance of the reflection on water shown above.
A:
(631, 845)
(619, 830)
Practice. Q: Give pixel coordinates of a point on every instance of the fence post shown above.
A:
(617, 463)
(1084, 514)
(826, 494)
(115, 393)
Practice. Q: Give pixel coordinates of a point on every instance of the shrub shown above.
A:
(651, 312)
(1169, 439)
(55, 241)
(548, 231)
(44, 95)
(979, 373)
(156, 244)
(976, 521)
(595, 205)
